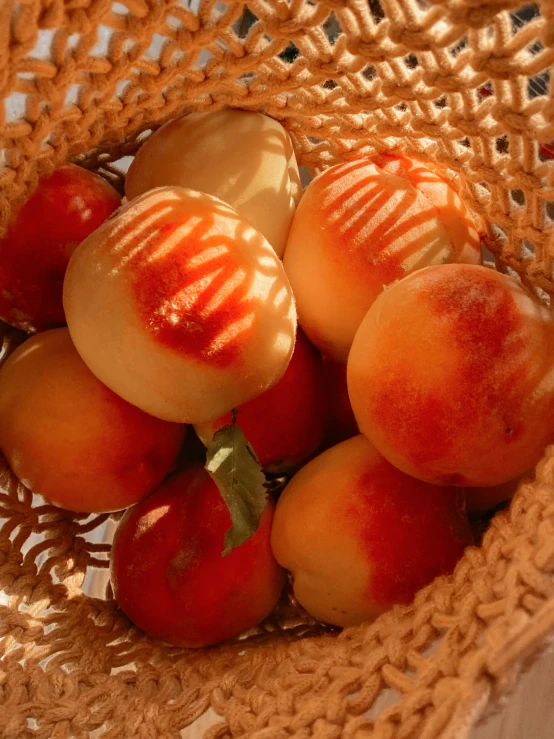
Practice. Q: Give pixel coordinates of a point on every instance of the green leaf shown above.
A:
(235, 469)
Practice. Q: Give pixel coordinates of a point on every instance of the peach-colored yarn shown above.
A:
(406, 75)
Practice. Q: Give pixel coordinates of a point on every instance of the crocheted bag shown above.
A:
(464, 83)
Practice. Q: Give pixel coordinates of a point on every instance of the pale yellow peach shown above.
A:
(244, 158)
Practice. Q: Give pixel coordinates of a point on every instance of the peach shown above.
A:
(180, 307)
(168, 573)
(359, 536)
(285, 425)
(341, 422)
(450, 376)
(42, 234)
(244, 158)
(72, 440)
(357, 229)
(452, 211)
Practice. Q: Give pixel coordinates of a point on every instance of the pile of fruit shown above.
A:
(357, 377)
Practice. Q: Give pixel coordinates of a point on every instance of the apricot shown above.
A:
(341, 422)
(359, 536)
(285, 425)
(69, 438)
(357, 229)
(450, 376)
(41, 235)
(168, 573)
(180, 307)
(452, 211)
(244, 158)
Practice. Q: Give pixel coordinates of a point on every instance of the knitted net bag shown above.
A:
(464, 83)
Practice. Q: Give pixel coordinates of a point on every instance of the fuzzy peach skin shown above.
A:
(285, 425)
(359, 536)
(180, 307)
(69, 438)
(451, 376)
(357, 229)
(168, 573)
(65, 208)
(244, 158)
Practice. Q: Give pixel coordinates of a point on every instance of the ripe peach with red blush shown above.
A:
(169, 549)
(361, 226)
(180, 306)
(451, 378)
(359, 536)
(285, 425)
(64, 209)
(70, 438)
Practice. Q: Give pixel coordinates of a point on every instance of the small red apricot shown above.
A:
(65, 208)
(168, 573)
(285, 425)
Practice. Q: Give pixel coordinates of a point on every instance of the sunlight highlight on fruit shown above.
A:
(242, 157)
(357, 229)
(180, 306)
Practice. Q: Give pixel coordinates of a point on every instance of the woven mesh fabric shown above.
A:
(464, 83)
